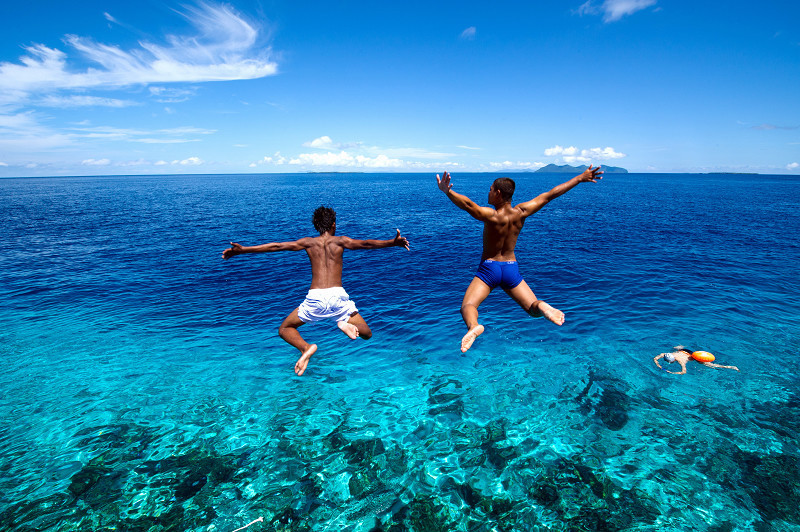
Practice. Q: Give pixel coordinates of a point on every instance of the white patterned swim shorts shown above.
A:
(326, 303)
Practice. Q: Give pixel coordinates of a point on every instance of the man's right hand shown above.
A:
(444, 182)
(232, 251)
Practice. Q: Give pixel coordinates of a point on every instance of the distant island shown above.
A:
(567, 169)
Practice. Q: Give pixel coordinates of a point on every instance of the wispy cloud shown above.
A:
(82, 101)
(469, 34)
(613, 10)
(171, 94)
(22, 133)
(179, 135)
(225, 46)
(96, 162)
(793, 166)
(769, 127)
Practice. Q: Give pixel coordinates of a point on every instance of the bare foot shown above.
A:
(552, 314)
(302, 362)
(349, 329)
(473, 333)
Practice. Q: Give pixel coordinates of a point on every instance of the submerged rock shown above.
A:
(614, 403)
(361, 451)
(613, 409)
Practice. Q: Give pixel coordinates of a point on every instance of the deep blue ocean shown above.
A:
(144, 385)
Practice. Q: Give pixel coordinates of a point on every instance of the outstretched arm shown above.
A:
(397, 241)
(681, 372)
(712, 365)
(238, 249)
(461, 201)
(590, 175)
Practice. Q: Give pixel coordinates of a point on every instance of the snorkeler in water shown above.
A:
(683, 355)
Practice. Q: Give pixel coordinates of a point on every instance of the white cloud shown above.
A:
(468, 147)
(324, 142)
(160, 163)
(613, 10)
(469, 33)
(344, 159)
(793, 166)
(574, 155)
(275, 159)
(96, 162)
(508, 165)
(224, 47)
(191, 161)
(3, 164)
(559, 150)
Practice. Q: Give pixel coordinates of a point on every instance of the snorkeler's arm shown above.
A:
(272, 247)
(681, 372)
(397, 241)
(712, 365)
(655, 359)
(483, 214)
(590, 175)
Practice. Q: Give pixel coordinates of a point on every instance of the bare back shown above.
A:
(500, 233)
(325, 253)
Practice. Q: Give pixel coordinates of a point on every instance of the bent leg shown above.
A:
(476, 292)
(537, 308)
(355, 327)
(288, 331)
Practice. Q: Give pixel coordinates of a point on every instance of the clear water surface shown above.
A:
(144, 386)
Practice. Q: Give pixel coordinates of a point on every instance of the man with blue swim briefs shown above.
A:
(326, 298)
(502, 224)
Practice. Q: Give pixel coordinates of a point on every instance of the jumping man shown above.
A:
(326, 298)
(501, 226)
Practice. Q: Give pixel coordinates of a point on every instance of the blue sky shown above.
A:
(95, 88)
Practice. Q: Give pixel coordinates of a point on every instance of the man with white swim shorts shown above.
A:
(326, 298)
(502, 224)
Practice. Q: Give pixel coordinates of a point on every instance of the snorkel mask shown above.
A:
(669, 357)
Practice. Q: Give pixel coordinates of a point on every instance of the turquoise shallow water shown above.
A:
(145, 386)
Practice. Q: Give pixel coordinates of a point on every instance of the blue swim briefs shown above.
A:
(504, 274)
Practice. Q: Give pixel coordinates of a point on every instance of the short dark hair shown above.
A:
(506, 187)
(323, 219)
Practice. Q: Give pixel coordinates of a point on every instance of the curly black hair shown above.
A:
(506, 187)
(323, 219)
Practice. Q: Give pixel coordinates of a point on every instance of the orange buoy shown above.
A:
(703, 356)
